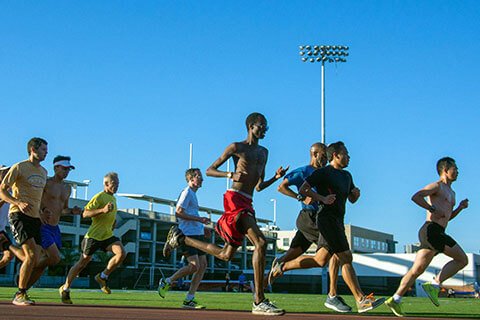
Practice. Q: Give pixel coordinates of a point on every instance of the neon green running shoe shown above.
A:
(395, 307)
(432, 292)
(163, 288)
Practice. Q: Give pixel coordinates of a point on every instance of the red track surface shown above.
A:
(79, 312)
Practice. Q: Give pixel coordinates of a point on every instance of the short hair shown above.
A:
(252, 118)
(35, 143)
(444, 164)
(110, 176)
(335, 147)
(190, 173)
(320, 146)
(61, 158)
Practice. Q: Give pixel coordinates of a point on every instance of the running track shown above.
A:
(46, 311)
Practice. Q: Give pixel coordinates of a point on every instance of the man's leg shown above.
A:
(75, 270)
(319, 260)
(349, 275)
(460, 260)
(119, 255)
(29, 248)
(6, 258)
(198, 276)
(226, 253)
(333, 268)
(422, 260)
(50, 258)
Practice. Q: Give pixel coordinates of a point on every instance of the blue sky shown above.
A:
(126, 86)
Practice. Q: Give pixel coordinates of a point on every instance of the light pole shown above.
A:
(87, 182)
(323, 54)
(274, 211)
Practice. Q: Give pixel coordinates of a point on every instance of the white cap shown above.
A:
(2, 167)
(63, 163)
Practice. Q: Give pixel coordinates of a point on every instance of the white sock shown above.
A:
(65, 289)
(103, 276)
(190, 297)
(435, 283)
(331, 297)
(397, 298)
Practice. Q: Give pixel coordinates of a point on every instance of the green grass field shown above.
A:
(309, 303)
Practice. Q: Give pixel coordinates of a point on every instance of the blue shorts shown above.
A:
(50, 235)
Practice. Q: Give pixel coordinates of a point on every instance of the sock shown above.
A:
(190, 297)
(103, 276)
(168, 280)
(331, 297)
(65, 289)
(397, 298)
(435, 283)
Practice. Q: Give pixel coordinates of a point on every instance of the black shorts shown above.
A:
(89, 245)
(332, 234)
(432, 236)
(25, 227)
(188, 251)
(307, 230)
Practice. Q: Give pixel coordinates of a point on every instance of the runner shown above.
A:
(191, 224)
(438, 198)
(239, 219)
(332, 186)
(26, 179)
(102, 209)
(307, 232)
(54, 204)
(4, 238)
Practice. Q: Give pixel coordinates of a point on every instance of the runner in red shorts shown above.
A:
(239, 220)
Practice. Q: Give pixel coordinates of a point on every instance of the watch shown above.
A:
(300, 197)
(229, 175)
(432, 208)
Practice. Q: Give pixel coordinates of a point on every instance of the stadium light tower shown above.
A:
(323, 54)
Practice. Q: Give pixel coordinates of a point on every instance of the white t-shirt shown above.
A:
(188, 201)
(4, 216)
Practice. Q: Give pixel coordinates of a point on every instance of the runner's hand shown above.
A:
(329, 199)
(108, 207)
(281, 172)
(24, 207)
(463, 204)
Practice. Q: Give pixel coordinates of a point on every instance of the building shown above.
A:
(361, 240)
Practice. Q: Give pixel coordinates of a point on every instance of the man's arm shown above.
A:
(180, 213)
(284, 188)
(462, 205)
(213, 171)
(307, 190)
(95, 212)
(7, 197)
(429, 190)
(354, 195)
(265, 184)
(66, 210)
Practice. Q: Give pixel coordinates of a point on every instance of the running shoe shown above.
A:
(192, 304)
(275, 271)
(65, 295)
(337, 304)
(266, 308)
(369, 303)
(103, 284)
(395, 307)
(22, 299)
(163, 288)
(432, 292)
(174, 238)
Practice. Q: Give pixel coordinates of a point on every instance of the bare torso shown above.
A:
(249, 159)
(444, 201)
(54, 200)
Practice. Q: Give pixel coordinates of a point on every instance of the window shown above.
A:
(286, 242)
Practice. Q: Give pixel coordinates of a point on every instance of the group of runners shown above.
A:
(36, 204)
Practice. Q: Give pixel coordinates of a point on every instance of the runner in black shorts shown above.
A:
(333, 186)
(438, 198)
(306, 223)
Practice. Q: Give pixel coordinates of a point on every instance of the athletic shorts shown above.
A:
(307, 230)
(90, 245)
(332, 234)
(188, 251)
(235, 205)
(5, 241)
(25, 227)
(51, 235)
(432, 236)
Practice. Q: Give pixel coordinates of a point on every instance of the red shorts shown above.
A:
(235, 204)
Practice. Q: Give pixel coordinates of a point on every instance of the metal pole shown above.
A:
(274, 211)
(323, 101)
(228, 170)
(191, 156)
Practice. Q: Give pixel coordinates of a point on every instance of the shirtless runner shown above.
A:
(438, 198)
(239, 220)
